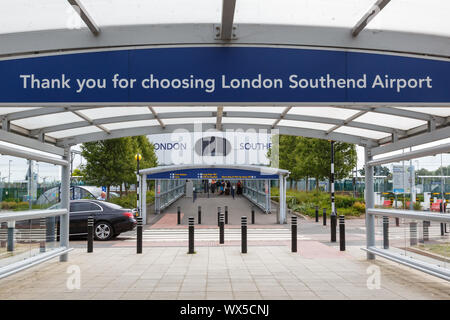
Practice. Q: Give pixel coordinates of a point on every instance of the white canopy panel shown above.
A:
(416, 16)
(376, 126)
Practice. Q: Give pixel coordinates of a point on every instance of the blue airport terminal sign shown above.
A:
(209, 74)
(212, 173)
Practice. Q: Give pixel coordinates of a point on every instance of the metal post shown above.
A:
(333, 222)
(191, 235)
(342, 232)
(317, 214)
(65, 204)
(90, 244)
(253, 215)
(139, 235)
(199, 215)
(333, 209)
(226, 214)
(42, 225)
(397, 222)
(221, 229)
(370, 221)
(243, 234)
(324, 216)
(294, 233)
(178, 215)
(413, 233)
(385, 232)
(144, 198)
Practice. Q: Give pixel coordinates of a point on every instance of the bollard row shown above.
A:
(294, 233)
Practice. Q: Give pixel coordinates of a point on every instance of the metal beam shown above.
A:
(226, 27)
(30, 143)
(219, 118)
(349, 119)
(64, 40)
(427, 137)
(397, 112)
(15, 152)
(157, 117)
(86, 118)
(282, 115)
(84, 15)
(366, 18)
(190, 127)
(443, 148)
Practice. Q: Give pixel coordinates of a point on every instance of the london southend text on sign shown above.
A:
(224, 74)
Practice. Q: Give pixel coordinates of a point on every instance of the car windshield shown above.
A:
(111, 205)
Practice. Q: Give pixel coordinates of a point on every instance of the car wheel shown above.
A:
(103, 231)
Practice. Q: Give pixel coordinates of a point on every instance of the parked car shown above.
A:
(110, 219)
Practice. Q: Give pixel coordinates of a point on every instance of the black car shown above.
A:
(110, 219)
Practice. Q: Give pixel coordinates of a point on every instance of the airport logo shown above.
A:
(212, 147)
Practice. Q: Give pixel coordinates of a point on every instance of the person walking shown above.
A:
(232, 190)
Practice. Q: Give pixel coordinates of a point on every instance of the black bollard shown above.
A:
(324, 216)
(178, 215)
(442, 229)
(426, 233)
(221, 229)
(317, 214)
(333, 221)
(243, 234)
(253, 215)
(219, 210)
(397, 222)
(139, 235)
(191, 235)
(226, 214)
(294, 233)
(413, 233)
(90, 238)
(199, 214)
(385, 232)
(342, 233)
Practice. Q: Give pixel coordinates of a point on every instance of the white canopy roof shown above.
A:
(417, 16)
(45, 26)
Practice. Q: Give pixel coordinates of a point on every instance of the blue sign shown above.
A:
(212, 173)
(104, 189)
(224, 74)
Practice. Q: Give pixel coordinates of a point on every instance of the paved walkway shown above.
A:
(237, 207)
(220, 273)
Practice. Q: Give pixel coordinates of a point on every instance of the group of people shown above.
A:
(224, 187)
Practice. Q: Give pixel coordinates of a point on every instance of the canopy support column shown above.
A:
(144, 198)
(65, 204)
(369, 197)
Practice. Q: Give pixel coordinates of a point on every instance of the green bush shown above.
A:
(129, 201)
(305, 202)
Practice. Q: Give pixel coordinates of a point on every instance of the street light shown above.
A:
(138, 157)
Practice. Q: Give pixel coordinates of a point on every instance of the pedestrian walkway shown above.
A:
(265, 272)
(237, 207)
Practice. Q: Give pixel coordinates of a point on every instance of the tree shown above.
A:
(111, 162)
(310, 157)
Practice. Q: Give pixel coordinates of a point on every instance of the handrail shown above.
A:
(410, 214)
(30, 214)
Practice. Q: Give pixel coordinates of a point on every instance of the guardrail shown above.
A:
(17, 262)
(404, 254)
